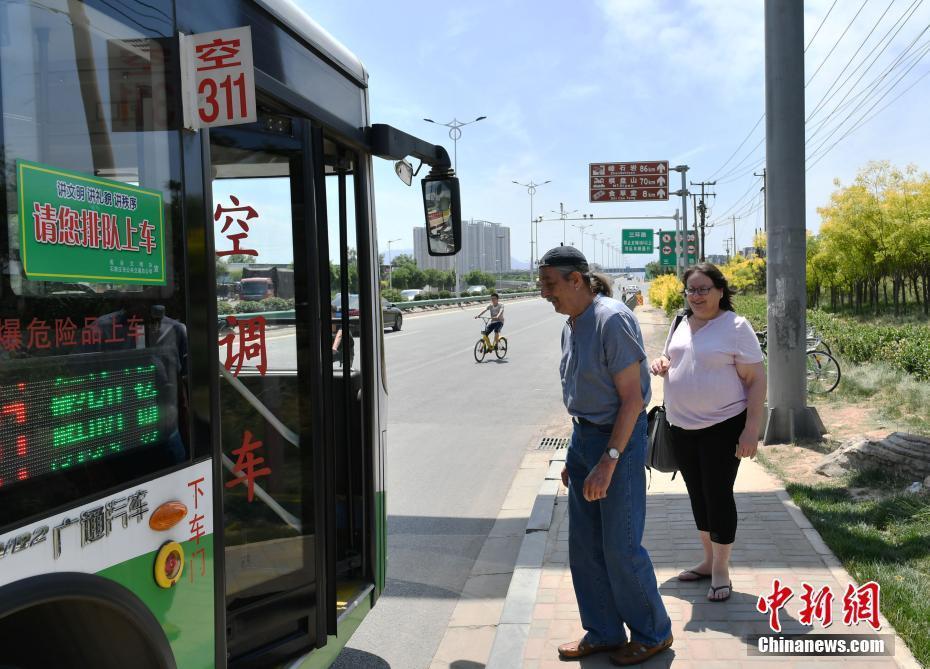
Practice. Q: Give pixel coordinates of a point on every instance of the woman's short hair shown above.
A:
(719, 280)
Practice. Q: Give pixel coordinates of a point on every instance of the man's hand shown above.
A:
(565, 476)
(598, 480)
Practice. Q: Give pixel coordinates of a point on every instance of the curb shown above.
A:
(520, 603)
(902, 654)
(513, 630)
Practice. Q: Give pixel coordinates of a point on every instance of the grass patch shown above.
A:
(899, 396)
(885, 540)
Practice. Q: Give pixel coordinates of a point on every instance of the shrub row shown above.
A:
(905, 347)
(665, 293)
(224, 307)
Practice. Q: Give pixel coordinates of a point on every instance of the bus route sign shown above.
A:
(76, 227)
(218, 78)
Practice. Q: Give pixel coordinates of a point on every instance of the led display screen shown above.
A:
(57, 413)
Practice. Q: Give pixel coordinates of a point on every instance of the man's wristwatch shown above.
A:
(613, 453)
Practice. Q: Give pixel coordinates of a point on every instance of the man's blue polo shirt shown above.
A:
(602, 341)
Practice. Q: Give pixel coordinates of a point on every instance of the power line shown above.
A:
(870, 87)
(816, 32)
(852, 58)
(837, 43)
(925, 47)
(863, 120)
(756, 124)
(745, 139)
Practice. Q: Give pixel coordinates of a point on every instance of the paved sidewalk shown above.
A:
(774, 540)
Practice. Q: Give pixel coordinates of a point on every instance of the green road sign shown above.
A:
(637, 241)
(77, 227)
(667, 251)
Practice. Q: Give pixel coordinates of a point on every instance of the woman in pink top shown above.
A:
(714, 396)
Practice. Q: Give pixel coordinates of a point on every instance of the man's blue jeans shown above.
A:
(614, 579)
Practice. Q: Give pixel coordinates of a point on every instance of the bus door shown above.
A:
(270, 385)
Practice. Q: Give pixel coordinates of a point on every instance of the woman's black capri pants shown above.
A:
(707, 461)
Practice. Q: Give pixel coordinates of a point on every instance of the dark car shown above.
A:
(391, 316)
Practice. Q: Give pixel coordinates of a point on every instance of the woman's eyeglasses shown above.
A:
(690, 292)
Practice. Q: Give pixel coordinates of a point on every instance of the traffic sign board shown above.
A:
(667, 252)
(628, 182)
(637, 241)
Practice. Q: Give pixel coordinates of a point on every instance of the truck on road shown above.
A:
(261, 282)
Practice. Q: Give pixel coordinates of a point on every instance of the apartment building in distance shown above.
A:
(485, 247)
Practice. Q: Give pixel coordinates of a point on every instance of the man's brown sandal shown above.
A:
(574, 650)
(635, 652)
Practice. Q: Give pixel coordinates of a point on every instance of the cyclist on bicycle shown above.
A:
(497, 317)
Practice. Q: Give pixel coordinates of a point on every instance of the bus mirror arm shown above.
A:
(392, 144)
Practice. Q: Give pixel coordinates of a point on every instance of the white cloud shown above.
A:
(715, 41)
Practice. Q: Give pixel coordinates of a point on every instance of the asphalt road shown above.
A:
(457, 432)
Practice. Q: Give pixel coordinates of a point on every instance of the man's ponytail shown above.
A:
(601, 284)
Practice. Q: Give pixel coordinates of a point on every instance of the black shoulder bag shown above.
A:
(659, 455)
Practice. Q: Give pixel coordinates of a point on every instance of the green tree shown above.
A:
(408, 276)
(478, 278)
(241, 258)
(654, 269)
(404, 259)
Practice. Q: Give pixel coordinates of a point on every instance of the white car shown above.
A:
(410, 294)
(475, 290)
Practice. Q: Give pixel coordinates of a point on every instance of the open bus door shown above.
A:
(268, 387)
(296, 471)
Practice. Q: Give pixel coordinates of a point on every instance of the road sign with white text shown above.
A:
(628, 182)
(668, 253)
(218, 78)
(637, 241)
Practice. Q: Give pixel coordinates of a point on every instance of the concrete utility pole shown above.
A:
(702, 210)
(735, 251)
(680, 242)
(765, 197)
(789, 418)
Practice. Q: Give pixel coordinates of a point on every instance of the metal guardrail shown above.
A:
(404, 306)
(288, 316)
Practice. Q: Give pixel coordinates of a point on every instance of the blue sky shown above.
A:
(566, 84)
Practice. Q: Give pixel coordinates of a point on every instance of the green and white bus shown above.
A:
(188, 479)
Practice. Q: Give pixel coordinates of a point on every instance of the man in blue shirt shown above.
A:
(605, 387)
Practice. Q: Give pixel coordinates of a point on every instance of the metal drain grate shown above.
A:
(552, 443)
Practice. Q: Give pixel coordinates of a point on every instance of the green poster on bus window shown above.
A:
(77, 227)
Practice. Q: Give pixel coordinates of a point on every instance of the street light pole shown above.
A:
(564, 216)
(500, 259)
(531, 189)
(582, 228)
(455, 133)
(391, 263)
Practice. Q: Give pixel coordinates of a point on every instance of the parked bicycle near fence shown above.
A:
(823, 370)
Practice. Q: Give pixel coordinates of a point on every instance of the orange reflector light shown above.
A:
(167, 516)
(169, 564)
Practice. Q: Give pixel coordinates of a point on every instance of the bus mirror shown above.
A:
(404, 171)
(443, 215)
